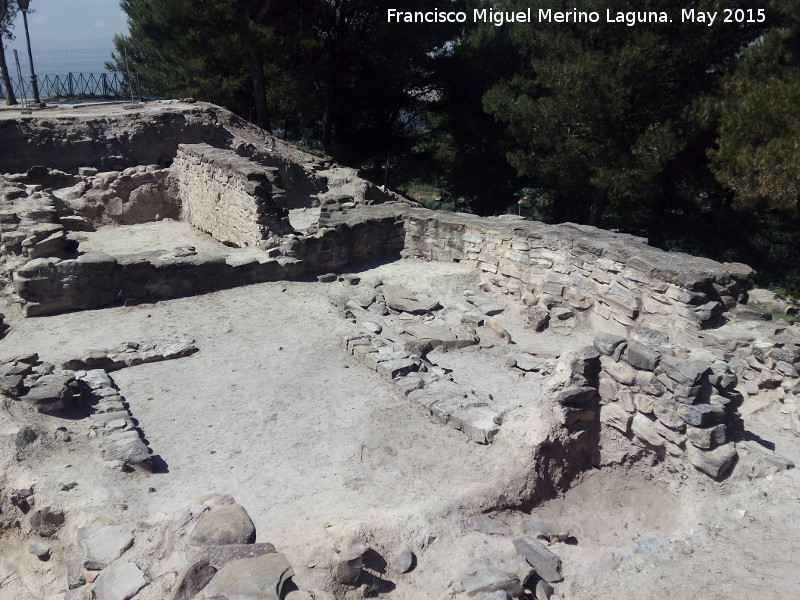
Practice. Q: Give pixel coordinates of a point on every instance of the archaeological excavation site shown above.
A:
(234, 370)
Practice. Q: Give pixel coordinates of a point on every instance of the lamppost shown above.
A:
(23, 6)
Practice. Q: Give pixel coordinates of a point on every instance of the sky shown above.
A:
(70, 25)
(67, 36)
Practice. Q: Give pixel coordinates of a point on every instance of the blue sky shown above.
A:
(71, 25)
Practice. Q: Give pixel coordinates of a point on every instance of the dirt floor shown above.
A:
(272, 411)
(318, 448)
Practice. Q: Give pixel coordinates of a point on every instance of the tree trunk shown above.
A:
(259, 89)
(258, 18)
(10, 98)
(596, 210)
(327, 124)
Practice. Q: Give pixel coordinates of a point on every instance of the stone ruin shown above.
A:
(676, 349)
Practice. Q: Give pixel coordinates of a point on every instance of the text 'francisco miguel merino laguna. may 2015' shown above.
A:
(629, 18)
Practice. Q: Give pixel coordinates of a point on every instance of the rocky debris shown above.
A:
(404, 300)
(260, 578)
(25, 437)
(22, 498)
(529, 363)
(138, 194)
(39, 549)
(327, 278)
(537, 316)
(223, 525)
(120, 581)
(402, 561)
(546, 564)
(103, 544)
(164, 563)
(47, 521)
(545, 530)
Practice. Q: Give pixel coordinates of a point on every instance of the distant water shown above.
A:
(58, 62)
(53, 68)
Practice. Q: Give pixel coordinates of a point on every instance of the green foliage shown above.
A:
(8, 12)
(757, 153)
(600, 114)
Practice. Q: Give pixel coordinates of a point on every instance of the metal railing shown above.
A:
(107, 85)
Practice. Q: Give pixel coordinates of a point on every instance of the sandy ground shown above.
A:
(158, 235)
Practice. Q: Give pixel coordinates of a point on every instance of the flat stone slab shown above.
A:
(403, 299)
(223, 525)
(482, 578)
(485, 305)
(103, 544)
(120, 581)
(260, 578)
(438, 334)
(50, 394)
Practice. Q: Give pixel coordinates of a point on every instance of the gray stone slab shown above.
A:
(120, 581)
(540, 557)
(260, 578)
(103, 544)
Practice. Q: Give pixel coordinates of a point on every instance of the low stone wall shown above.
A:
(617, 279)
(54, 285)
(230, 197)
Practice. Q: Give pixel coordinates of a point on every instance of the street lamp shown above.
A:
(23, 6)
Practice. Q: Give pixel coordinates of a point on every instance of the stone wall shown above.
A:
(52, 285)
(672, 402)
(230, 197)
(616, 280)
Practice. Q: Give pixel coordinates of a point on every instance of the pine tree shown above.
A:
(602, 114)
